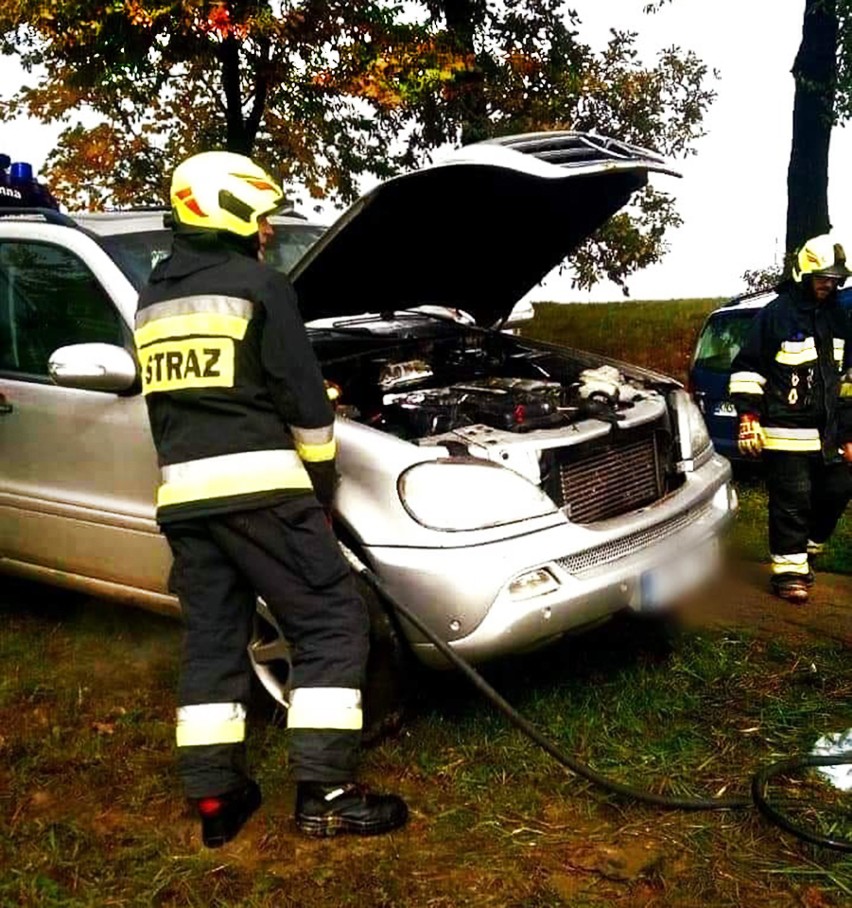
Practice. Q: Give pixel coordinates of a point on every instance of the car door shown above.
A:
(77, 468)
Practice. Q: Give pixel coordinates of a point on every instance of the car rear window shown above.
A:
(137, 253)
(720, 341)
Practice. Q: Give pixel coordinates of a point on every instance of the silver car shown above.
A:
(508, 490)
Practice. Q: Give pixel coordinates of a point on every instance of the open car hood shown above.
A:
(475, 232)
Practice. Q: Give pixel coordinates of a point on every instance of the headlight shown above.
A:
(695, 444)
(469, 495)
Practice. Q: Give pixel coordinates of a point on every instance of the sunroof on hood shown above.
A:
(476, 231)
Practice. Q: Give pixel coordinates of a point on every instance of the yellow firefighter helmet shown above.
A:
(821, 256)
(219, 190)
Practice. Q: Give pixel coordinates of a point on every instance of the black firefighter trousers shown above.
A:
(807, 497)
(288, 555)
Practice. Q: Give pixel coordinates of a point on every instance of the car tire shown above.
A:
(389, 668)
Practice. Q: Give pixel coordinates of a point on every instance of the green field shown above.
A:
(657, 334)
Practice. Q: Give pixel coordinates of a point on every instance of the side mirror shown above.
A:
(93, 367)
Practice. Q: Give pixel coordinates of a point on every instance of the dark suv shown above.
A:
(723, 333)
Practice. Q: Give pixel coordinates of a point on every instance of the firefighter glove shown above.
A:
(750, 440)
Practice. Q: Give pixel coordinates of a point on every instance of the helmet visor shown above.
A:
(839, 273)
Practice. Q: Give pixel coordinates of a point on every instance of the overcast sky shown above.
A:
(733, 193)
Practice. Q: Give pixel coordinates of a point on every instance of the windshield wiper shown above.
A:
(342, 331)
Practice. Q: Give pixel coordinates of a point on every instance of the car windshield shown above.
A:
(137, 253)
(720, 341)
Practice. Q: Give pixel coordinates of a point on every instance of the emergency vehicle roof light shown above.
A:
(21, 172)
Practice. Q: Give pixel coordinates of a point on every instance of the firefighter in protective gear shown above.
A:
(791, 385)
(244, 434)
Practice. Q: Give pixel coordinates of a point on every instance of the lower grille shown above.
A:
(600, 555)
(609, 480)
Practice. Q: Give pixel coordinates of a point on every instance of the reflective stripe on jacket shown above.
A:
(236, 400)
(789, 372)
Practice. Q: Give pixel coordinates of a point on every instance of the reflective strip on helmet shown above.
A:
(746, 383)
(325, 707)
(790, 564)
(315, 445)
(211, 723)
(231, 474)
(782, 439)
(796, 353)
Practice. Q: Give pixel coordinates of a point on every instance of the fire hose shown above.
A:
(759, 782)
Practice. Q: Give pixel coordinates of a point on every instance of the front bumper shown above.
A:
(471, 598)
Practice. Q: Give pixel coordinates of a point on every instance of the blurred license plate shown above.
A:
(724, 408)
(684, 572)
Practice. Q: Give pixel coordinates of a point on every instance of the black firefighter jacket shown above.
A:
(793, 371)
(237, 404)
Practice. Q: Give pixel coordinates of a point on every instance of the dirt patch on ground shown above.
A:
(742, 600)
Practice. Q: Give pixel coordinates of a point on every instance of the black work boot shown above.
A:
(223, 816)
(792, 587)
(323, 809)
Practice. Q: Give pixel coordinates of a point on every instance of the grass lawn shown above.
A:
(91, 813)
(659, 335)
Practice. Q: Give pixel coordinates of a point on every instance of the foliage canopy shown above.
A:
(325, 93)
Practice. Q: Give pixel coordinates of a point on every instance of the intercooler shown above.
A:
(605, 481)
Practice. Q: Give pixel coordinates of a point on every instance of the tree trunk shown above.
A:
(236, 139)
(463, 17)
(815, 73)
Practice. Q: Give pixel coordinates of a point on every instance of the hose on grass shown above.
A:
(774, 815)
(733, 802)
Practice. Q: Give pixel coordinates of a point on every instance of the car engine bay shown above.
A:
(597, 441)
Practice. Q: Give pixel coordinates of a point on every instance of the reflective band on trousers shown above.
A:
(790, 564)
(211, 723)
(231, 474)
(797, 353)
(325, 707)
(777, 439)
(315, 445)
(746, 383)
